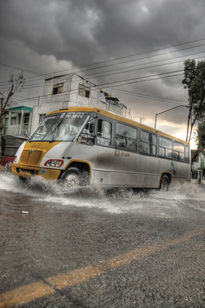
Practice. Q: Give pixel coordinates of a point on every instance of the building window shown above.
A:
(13, 121)
(58, 88)
(84, 91)
(6, 122)
(41, 117)
(26, 118)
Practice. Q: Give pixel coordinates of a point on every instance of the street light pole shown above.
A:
(156, 115)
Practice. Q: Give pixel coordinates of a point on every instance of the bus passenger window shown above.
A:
(175, 155)
(165, 147)
(121, 141)
(145, 142)
(126, 137)
(179, 148)
(104, 132)
(88, 133)
(186, 154)
(144, 148)
(153, 144)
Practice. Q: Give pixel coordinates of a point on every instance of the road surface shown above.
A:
(89, 249)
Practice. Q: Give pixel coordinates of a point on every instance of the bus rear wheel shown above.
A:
(164, 184)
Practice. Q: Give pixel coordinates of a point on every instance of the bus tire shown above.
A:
(71, 178)
(164, 183)
(23, 180)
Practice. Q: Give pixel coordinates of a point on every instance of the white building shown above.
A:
(72, 90)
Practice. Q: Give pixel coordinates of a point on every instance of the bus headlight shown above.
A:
(55, 163)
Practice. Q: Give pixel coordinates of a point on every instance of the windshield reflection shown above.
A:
(59, 127)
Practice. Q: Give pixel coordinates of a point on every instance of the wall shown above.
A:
(69, 97)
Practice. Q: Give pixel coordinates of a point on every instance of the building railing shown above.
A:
(16, 130)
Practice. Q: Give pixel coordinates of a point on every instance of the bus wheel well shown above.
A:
(165, 180)
(168, 175)
(82, 169)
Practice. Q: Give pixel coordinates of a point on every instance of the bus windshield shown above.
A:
(59, 127)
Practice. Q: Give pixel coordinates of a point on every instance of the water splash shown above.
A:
(154, 202)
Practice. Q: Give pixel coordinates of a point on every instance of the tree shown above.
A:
(201, 135)
(15, 82)
(200, 138)
(194, 81)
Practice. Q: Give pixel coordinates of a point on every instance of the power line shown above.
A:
(117, 71)
(127, 81)
(90, 66)
(137, 67)
(144, 95)
(143, 78)
(135, 80)
(18, 68)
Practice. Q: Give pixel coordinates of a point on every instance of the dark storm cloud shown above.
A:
(59, 28)
(86, 31)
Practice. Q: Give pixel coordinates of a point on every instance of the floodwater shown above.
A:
(47, 231)
(153, 202)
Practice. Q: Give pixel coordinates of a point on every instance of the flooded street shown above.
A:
(86, 248)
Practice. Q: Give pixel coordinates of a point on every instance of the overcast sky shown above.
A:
(146, 38)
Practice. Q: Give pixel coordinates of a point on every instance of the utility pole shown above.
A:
(156, 115)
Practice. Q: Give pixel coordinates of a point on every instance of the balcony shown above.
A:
(17, 130)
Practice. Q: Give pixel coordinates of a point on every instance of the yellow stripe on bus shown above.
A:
(118, 118)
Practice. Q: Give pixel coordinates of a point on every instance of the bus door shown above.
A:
(105, 150)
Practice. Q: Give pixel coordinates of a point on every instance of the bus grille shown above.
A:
(30, 171)
(30, 158)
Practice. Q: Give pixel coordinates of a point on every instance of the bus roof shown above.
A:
(116, 117)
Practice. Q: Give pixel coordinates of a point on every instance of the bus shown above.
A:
(81, 146)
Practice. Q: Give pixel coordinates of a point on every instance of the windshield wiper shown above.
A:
(60, 121)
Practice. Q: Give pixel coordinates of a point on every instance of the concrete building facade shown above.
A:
(18, 121)
(72, 90)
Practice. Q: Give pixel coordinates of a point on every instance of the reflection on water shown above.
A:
(43, 227)
(119, 201)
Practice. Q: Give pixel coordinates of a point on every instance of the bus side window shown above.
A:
(126, 137)
(165, 147)
(179, 149)
(186, 153)
(104, 132)
(175, 155)
(145, 142)
(88, 133)
(121, 141)
(153, 144)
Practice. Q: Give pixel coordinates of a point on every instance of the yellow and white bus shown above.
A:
(89, 146)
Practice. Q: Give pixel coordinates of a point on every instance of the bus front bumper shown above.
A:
(28, 172)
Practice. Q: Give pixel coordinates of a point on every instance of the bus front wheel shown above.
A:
(71, 178)
(164, 183)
